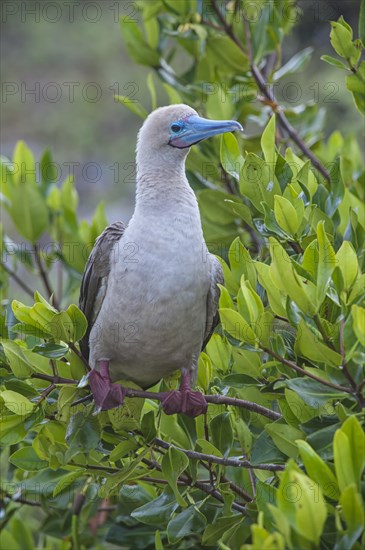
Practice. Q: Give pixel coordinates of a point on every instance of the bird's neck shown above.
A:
(164, 186)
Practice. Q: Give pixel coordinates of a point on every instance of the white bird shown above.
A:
(149, 289)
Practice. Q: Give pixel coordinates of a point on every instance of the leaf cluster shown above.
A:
(278, 460)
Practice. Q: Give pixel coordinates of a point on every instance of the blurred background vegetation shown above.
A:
(79, 48)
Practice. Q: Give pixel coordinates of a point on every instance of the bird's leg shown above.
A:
(106, 394)
(184, 400)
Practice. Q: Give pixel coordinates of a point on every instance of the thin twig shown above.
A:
(44, 276)
(218, 460)
(321, 329)
(79, 354)
(45, 393)
(22, 500)
(206, 435)
(198, 484)
(343, 354)
(267, 92)
(235, 402)
(54, 367)
(82, 400)
(252, 481)
(17, 279)
(216, 399)
(53, 379)
(345, 369)
(295, 367)
(234, 488)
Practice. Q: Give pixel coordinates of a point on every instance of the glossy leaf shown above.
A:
(174, 463)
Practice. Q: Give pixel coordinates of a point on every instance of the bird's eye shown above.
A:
(175, 128)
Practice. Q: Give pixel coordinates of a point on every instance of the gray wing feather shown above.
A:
(95, 280)
(212, 319)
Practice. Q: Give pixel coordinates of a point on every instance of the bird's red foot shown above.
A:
(106, 394)
(186, 401)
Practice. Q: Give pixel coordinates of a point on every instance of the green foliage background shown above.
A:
(290, 232)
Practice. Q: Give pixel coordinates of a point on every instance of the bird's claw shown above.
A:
(189, 402)
(106, 394)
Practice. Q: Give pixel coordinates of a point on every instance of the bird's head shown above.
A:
(169, 132)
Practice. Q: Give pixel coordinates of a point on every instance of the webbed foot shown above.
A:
(185, 400)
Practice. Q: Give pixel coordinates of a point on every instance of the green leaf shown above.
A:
(286, 279)
(12, 429)
(313, 393)
(348, 264)
(311, 511)
(341, 40)
(326, 265)
(241, 263)
(123, 449)
(309, 345)
(230, 155)
(152, 89)
(244, 435)
(284, 437)
(358, 323)
(249, 304)
(17, 403)
(19, 364)
(23, 534)
(343, 460)
(148, 426)
(362, 23)
(79, 322)
(268, 142)
(152, 29)
(276, 297)
(28, 211)
(219, 352)
(48, 170)
(286, 215)
(189, 522)
(130, 472)
(204, 371)
(318, 470)
(68, 480)
(27, 459)
(264, 450)
(157, 511)
(204, 446)
(353, 510)
(158, 541)
(173, 464)
(133, 105)
(83, 433)
(214, 532)
(333, 61)
(52, 351)
(236, 326)
(222, 433)
(137, 47)
(257, 182)
(355, 84)
(296, 64)
(24, 169)
(213, 206)
(353, 430)
(69, 196)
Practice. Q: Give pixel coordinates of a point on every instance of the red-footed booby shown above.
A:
(149, 291)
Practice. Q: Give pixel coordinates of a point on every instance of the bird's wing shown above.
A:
(95, 280)
(212, 319)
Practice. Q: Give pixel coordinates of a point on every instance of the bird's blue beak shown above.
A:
(192, 129)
